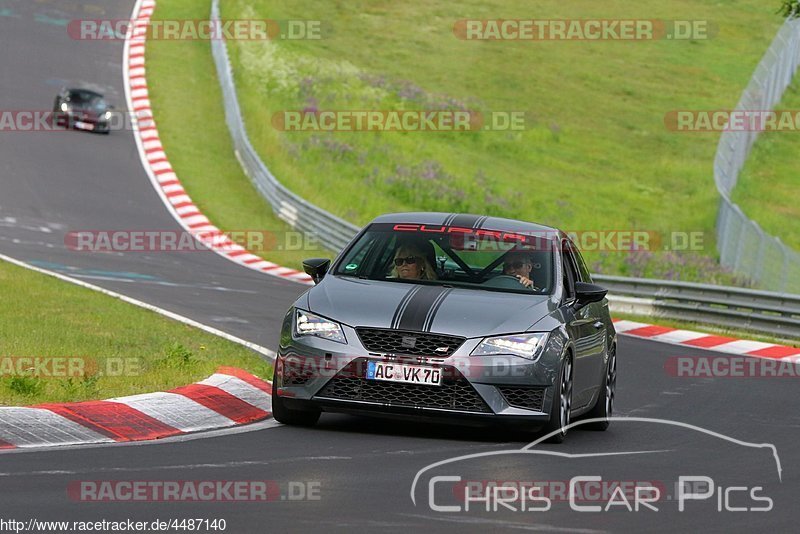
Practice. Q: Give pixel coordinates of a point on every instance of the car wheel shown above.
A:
(562, 404)
(604, 407)
(287, 416)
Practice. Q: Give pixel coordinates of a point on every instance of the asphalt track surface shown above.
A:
(54, 182)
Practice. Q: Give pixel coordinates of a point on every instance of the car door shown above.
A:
(575, 328)
(591, 319)
(582, 326)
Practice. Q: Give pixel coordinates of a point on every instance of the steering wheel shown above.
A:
(505, 281)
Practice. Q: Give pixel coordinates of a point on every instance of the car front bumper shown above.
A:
(315, 373)
(78, 121)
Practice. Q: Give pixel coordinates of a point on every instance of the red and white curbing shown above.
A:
(228, 398)
(698, 340)
(158, 168)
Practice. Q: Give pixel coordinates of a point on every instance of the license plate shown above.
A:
(410, 374)
(84, 125)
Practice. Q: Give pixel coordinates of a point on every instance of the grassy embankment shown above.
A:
(769, 186)
(93, 346)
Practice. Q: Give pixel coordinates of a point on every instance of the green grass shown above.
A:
(595, 155)
(133, 350)
(187, 100)
(769, 186)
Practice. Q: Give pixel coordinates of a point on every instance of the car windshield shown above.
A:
(460, 257)
(88, 100)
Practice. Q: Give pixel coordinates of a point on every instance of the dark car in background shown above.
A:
(83, 109)
(466, 341)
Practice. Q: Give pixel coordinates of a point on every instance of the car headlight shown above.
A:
(528, 346)
(308, 324)
(64, 106)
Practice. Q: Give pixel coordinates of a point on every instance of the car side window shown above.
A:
(360, 259)
(570, 274)
(583, 272)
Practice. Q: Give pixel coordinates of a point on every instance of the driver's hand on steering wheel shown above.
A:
(525, 281)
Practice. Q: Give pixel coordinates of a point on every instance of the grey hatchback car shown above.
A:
(458, 316)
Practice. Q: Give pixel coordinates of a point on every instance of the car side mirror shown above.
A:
(316, 268)
(587, 293)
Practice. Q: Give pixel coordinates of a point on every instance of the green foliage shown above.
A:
(25, 385)
(178, 357)
(790, 8)
(769, 185)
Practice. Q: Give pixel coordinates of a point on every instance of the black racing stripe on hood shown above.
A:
(402, 305)
(447, 219)
(415, 315)
(434, 309)
(465, 221)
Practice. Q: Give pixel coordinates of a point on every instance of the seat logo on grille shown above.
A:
(441, 349)
(408, 342)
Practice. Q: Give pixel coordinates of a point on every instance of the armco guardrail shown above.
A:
(777, 314)
(332, 232)
(771, 313)
(743, 246)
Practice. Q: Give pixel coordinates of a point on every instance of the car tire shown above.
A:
(282, 414)
(604, 407)
(287, 416)
(562, 404)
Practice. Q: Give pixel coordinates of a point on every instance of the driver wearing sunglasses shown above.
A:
(519, 265)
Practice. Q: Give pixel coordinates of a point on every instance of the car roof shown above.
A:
(464, 219)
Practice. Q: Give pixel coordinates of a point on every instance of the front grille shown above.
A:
(408, 343)
(524, 397)
(455, 393)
